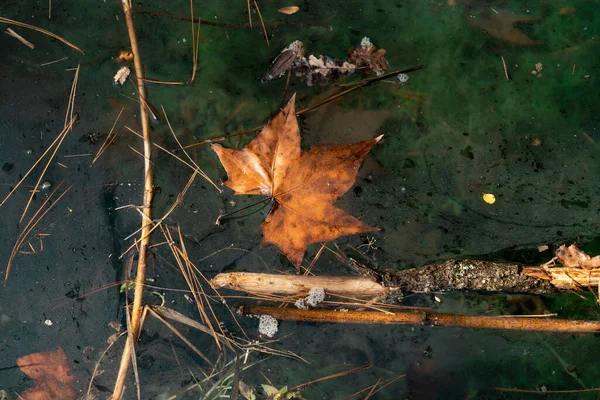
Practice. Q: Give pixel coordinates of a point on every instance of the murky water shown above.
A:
(454, 131)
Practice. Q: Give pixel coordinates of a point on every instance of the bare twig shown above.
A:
(144, 241)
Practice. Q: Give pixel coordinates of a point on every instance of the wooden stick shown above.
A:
(297, 284)
(144, 241)
(425, 318)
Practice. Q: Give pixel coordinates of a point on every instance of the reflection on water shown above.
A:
(507, 106)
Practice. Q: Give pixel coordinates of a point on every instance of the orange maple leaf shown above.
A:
(52, 375)
(303, 184)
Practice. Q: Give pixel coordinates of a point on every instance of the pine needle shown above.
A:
(262, 22)
(67, 128)
(45, 32)
(58, 138)
(35, 219)
(109, 139)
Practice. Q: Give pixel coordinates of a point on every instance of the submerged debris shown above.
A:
(322, 69)
(573, 257)
(284, 60)
(370, 58)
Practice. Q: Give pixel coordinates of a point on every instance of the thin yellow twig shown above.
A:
(144, 242)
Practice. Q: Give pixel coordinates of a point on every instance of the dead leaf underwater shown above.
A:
(52, 375)
(303, 184)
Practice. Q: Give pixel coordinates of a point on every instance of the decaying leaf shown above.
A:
(284, 60)
(52, 375)
(246, 391)
(303, 184)
(368, 57)
(124, 56)
(121, 75)
(289, 10)
(321, 69)
(573, 257)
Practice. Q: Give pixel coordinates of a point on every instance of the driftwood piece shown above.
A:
(564, 278)
(425, 318)
(468, 275)
(297, 284)
(449, 275)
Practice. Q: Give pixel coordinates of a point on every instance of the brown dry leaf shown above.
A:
(573, 257)
(289, 10)
(52, 375)
(303, 184)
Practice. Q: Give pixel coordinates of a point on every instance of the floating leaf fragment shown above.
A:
(489, 198)
(121, 75)
(573, 257)
(52, 374)
(289, 10)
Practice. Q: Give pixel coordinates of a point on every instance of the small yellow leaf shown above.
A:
(489, 198)
(289, 10)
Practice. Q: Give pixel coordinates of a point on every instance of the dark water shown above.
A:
(454, 131)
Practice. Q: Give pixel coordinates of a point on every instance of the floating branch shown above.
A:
(144, 241)
(425, 318)
(449, 275)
